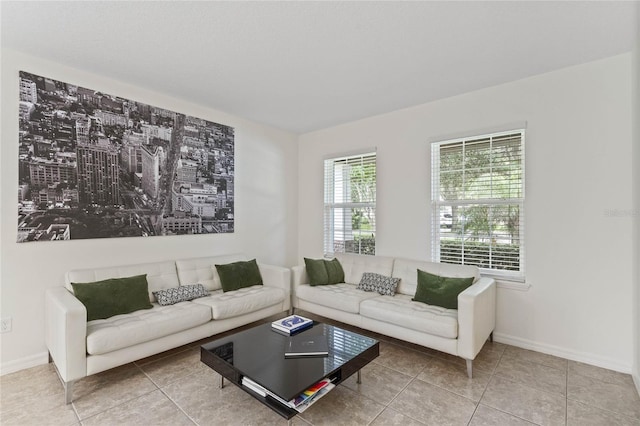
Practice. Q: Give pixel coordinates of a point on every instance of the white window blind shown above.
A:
(477, 197)
(350, 204)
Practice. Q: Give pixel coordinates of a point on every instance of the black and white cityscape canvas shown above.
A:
(93, 165)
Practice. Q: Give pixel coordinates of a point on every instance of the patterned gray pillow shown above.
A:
(375, 282)
(183, 293)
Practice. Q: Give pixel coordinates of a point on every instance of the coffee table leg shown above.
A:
(359, 378)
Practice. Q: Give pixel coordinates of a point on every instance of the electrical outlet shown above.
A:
(5, 325)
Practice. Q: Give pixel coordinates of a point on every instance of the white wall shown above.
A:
(265, 210)
(578, 167)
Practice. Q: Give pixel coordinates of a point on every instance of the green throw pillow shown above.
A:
(114, 296)
(322, 272)
(334, 270)
(237, 275)
(440, 291)
(317, 271)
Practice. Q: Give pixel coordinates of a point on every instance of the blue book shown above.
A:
(292, 324)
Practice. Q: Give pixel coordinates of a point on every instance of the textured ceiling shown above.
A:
(303, 66)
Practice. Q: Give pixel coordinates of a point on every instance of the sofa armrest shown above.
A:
(476, 316)
(298, 276)
(66, 333)
(279, 277)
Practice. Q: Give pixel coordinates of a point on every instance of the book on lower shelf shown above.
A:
(291, 324)
(307, 398)
(307, 346)
(247, 382)
(299, 403)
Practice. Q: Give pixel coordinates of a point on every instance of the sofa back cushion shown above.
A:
(237, 275)
(202, 270)
(354, 265)
(160, 275)
(407, 271)
(113, 296)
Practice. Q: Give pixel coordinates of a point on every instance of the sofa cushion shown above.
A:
(344, 297)
(201, 270)
(323, 272)
(122, 331)
(406, 270)
(401, 311)
(113, 296)
(160, 275)
(354, 265)
(379, 283)
(237, 275)
(317, 271)
(334, 271)
(238, 302)
(440, 291)
(171, 296)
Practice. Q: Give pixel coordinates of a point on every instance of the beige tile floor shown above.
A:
(405, 385)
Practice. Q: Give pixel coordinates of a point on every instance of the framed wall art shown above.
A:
(93, 165)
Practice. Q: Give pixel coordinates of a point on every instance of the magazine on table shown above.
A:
(307, 346)
(292, 324)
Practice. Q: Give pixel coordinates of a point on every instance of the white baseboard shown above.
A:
(636, 380)
(23, 363)
(583, 357)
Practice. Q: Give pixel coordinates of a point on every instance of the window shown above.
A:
(477, 197)
(350, 204)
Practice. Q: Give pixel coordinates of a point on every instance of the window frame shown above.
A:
(437, 203)
(330, 206)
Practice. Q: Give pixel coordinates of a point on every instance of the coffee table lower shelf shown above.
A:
(234, 377)
(218, 355)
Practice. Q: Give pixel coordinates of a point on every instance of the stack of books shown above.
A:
(299, 403)
(291, 324)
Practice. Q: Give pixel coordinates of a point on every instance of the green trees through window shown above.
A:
(478, 200)
(350, 205)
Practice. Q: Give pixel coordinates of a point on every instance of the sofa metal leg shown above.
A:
(291, 310)
(50, 358)
(68, 391)
(470, 368)
(491, 337)
(221, 385)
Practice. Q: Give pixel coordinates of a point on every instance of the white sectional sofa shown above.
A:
(460, 332)
(80, 348)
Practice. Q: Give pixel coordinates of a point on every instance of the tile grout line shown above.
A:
(495, 408)
(535, 361)
(178, 406)
(528, 381)
(162, 390)
(566, 396)
(602, 409)
(384, 407)
(387, 405)
(398, 394)
(118, 405)
(123, 402)
(493, 371)
(597, 406)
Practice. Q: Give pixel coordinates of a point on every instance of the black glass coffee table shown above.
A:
(258, 353)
